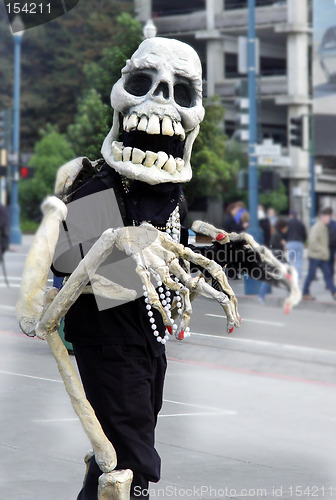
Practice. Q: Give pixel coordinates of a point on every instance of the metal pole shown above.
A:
(312, 190)
(254, 228)
(312, 168)
(15, 231)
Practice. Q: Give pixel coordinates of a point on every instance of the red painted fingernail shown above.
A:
(231, 329)
(240, 320)
(287, 309)
(170, 330)
(220, 236)
(181, 335)
(289, 277)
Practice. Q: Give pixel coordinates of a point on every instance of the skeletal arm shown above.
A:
(33, 288)
(244, 254)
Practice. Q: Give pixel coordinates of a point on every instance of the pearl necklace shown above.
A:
(173, 228)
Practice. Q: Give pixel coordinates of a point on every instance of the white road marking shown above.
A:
(290, 347)
(55, 420)
(12, 278)
(258, 321)
(204, 414)
(200, 406)
(195, 414)
(10, 308)
(11, 285)
(5, 372)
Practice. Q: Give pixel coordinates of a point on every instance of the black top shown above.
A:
(278, 247)
(265, 226)
(93, 208)
(296, 231)
(230, 225)
(4, 230)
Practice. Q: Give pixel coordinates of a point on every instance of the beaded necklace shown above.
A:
(173, 228)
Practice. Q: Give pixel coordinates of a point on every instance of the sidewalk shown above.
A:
(323, 303)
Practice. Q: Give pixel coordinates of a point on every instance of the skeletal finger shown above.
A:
(214, 269)
(216, 272)
(232, 320)
(152, 298)
(209, 230)
(211, 266)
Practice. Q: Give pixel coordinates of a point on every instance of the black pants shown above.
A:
(124, 385)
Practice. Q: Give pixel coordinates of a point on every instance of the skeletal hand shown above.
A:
(278, 272)
(161, 259)
(156, 256)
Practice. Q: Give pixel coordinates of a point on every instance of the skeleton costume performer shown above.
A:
(121, 362)
(132, 202)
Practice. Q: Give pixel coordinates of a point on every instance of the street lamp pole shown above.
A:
(254, 228)
(14, 209)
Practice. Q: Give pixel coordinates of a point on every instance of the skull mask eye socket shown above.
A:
(138, 84)
(184, 94)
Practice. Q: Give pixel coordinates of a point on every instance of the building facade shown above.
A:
(284, 31)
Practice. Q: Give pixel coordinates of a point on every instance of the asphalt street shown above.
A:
(251, 415)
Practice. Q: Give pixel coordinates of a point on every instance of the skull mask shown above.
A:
(159, 98)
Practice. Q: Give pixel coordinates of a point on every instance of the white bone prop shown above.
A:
(31, 300)
(164, 62)
(76, 283)
(281, 272)
(67, 174)
(155, 253)
(103, 450)
(115, 485)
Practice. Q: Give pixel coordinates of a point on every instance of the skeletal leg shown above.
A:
(47, 328)
(104, 452)
(30, 305)
(115, 485)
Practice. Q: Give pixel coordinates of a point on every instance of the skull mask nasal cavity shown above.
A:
(159, 100)
(163, 89)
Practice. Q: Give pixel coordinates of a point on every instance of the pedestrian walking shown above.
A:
(237, 218)
(265, 226)
(332, 242)
(278, 247)
(272, 216)
(296, 237)
(4, 231)
(319, 254)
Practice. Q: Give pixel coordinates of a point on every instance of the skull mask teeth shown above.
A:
(159, 98)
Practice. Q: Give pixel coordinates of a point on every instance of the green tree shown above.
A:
(277, 199)
(93, 118)
(53, 59)
(91, 125)
(51, 151)
(103, 74)
(215, 164)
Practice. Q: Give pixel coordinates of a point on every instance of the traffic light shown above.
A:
(26, 172)
(241, 105)
(296, 132)
(268, 181)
